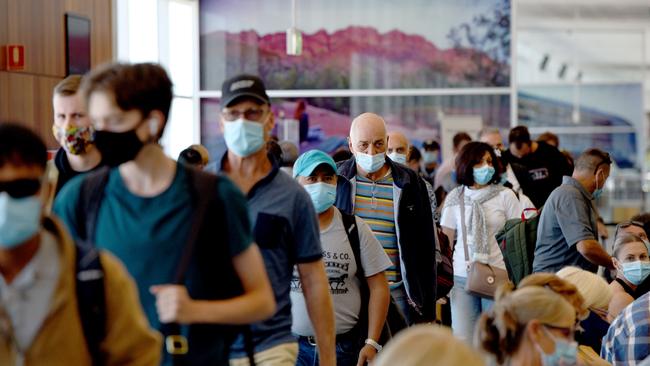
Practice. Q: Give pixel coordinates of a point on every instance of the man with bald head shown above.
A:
(394, 202)
(398, 147)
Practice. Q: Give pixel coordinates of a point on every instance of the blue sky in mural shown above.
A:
(430, 19)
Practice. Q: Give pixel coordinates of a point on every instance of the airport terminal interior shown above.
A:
(325, 182)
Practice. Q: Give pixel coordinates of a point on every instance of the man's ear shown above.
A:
(350, 145)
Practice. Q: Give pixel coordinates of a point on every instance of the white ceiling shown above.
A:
(603, 40)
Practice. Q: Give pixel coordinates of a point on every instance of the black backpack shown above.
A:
(395, 320)
(92, 303)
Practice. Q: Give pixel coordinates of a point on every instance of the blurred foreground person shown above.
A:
(59, 304)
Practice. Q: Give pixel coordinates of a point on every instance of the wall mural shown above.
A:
(362, 45)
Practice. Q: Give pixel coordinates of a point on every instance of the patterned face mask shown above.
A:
(75, 140)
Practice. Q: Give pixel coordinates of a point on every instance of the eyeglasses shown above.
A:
(21, 188)
(252, 114)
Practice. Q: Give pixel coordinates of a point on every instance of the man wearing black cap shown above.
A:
(285, 226)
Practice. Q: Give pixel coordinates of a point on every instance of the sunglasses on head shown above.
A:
(626, 224)
(21, 188)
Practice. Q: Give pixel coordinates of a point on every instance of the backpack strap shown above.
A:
(90, 200)
(91, 298)
(89, 273)
(352, 231)
(204, 188)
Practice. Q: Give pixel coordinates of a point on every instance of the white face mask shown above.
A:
(397, 157)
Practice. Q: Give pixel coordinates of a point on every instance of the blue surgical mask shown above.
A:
(370, 163)
(636, 272)
(322, 195)
(430, 157)
(397, 157)
(20, 219)
(244, 137)
(565, 354)
(598, 192)
(483, 175)
(504, 179)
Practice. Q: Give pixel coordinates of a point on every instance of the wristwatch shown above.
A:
(374, 344)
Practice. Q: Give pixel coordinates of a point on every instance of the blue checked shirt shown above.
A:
(627, 342)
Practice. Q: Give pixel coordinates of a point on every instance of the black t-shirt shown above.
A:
(540, 172)
(65, 170)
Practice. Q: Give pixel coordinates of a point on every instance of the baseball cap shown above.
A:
(243, 85)
(308, 161)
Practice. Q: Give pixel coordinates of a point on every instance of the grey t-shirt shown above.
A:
(341, 270)
(567, 218)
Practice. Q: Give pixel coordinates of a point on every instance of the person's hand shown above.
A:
(366, 355)
(173, 304)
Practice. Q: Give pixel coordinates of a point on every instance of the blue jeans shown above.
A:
(347, 353)
(465, 310)
(401, 300)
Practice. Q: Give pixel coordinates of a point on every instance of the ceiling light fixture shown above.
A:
(294, 37)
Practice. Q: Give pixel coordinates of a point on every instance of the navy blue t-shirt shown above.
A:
(286, 230)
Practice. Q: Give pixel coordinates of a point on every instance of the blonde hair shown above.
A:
(560, 286)
(68, 86)
(500, 330)
(623, 240)
(422, 345)
(593, 288)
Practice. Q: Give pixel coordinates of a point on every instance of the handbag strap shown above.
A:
(462, 222)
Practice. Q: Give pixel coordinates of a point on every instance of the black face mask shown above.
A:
(117, 147)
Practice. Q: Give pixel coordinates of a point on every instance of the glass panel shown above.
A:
(179, 132)
(326, 121)
(606, 116)
(361, 44)
(143, 31)
(181, 53)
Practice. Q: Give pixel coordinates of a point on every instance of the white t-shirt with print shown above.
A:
(498, 210)
(341, 270)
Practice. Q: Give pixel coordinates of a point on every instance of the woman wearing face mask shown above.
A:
(583, 307)
(632, 265)
(487, 206)
(360, 295)
(531, 326)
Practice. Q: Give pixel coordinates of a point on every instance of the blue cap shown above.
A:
(308, 161)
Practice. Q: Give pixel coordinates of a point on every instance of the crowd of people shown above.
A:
(113, 253)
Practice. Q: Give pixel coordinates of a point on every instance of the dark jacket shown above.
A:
(415, 233)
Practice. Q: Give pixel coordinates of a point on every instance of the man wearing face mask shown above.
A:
(430, 159)
(395, 203)
(284, 222)
(358, 285)
(167, 222)
(567, 234)
(42, 319)
(398, 147)
(73, 131)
